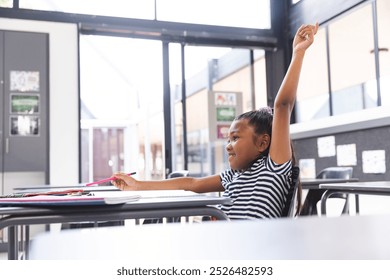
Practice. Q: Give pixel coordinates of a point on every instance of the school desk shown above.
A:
(304, 238)
(152, 204)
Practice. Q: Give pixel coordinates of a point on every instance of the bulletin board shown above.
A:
(367, 151)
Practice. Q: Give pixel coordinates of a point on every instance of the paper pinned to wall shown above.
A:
(326, 146)
(374, 161)
(346, 155)
(24, 81)
(307, 168)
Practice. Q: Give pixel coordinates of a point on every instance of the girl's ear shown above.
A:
(264, 141)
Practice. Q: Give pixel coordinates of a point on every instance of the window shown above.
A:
(121, 83)
(313, 91)
(383, 9)
(212, 72)
(141, 9)
(121, 91)
(234, 13)
(339, 73)
(260, 80)
(199, 76)
(6, 3)
(352, 62)
(237, 13)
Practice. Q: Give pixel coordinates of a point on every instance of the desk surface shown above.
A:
(380, 186)
(158, 203)
(348, 237)
(315, 183)
(162, 204)
(357, 188)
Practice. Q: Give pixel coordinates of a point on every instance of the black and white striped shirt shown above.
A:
(258, 192)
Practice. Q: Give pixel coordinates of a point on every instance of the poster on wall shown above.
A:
(24, 104)
(307, 168)
(222, 131)
(24, 81)
(24, 126)
(225, 99)
(223, 107)
(226, 114)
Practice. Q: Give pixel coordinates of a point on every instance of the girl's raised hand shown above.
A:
(304, 37)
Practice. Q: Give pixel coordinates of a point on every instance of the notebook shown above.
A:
(91, 198)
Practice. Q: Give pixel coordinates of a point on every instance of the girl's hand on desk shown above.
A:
(124, 182)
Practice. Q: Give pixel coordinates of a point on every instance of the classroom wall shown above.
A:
(349, 137)
(355, 144)
(64, 95)
(358, 139)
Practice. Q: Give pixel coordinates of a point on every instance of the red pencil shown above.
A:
(107, 180)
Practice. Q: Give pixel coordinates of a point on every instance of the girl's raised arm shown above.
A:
(280, 150)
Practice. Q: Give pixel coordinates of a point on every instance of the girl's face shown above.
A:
(244, 146)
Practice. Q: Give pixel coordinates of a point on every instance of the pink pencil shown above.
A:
(107, 180)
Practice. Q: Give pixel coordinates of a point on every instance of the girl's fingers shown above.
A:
(307, 28)
(316, 28)
(301, 29)
(308, 31)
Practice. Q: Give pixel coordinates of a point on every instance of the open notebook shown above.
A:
(60, 199)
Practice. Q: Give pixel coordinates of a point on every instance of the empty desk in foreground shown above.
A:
(306, 238)
(357, 188)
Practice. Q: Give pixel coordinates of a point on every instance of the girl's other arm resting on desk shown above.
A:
(199, 185)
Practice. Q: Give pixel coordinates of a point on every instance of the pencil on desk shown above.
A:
(107, 180)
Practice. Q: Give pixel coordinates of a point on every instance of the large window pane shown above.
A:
(6, 3)
(142, 9)
(216, 12)
(201, 70)
(260, 79)
(212, 72)
(175, 75)
(107, 151)
(383, 8)
(199, 161)
(121, 91)
(237, 13)
(352, 62)
(313, 91)
(237, 81)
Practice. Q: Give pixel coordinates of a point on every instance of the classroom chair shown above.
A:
(338, 172)
(291, 205)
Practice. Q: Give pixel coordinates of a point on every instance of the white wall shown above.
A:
(64, 96)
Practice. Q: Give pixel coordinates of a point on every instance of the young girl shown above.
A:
(259, 149)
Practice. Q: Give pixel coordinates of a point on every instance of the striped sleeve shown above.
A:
(259, 192)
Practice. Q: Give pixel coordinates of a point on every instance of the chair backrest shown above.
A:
(288, 210)
(337, 172)
(178, 173)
